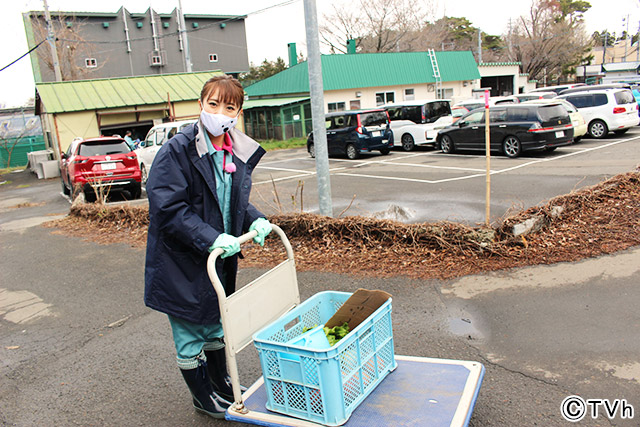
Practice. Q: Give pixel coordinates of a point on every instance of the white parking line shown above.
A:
(397, 161)
(283, 169)
(433, 167)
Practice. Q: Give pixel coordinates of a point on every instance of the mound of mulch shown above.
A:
(590, 222)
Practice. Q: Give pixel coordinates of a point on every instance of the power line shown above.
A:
(30, 50)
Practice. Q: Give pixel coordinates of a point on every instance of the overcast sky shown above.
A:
(268, 32)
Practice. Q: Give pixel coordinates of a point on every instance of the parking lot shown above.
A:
(431, 186)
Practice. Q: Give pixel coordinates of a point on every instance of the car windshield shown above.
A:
(375, 118)
(549, 112)
(624, 97)
(102, 148)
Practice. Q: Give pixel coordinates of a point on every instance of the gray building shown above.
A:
(121, 44)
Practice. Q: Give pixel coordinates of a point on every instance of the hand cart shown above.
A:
(421, 391)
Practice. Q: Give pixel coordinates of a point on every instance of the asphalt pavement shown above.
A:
(80, 348)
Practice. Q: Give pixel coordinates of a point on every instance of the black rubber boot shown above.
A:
(220, 379)
(205, 400)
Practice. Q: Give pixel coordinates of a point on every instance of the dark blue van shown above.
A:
(351, 133)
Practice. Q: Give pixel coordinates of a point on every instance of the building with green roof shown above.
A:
(356, 81)
(90, 108)
(504, 78)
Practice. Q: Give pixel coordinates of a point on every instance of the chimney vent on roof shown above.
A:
(351, 46)
(293, 54)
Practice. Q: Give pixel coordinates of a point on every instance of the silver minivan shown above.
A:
(417, 122)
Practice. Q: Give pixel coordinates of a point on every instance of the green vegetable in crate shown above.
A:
(308, 328)
(336, 333)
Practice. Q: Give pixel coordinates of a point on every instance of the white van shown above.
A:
(154, 140)
(606, 110)
(417, 122)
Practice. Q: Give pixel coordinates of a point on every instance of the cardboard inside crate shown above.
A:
(358, 308)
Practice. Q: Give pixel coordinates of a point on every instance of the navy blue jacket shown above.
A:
(185, 219)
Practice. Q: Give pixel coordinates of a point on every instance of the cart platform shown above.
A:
(421, 391)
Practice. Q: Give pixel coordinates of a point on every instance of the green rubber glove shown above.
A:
(228, 243)
(263, 227)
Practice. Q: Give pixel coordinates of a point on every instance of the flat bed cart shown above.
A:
(419, 392)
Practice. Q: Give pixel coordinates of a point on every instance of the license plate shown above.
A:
(559, 134)
(376, 133)
(107, 166)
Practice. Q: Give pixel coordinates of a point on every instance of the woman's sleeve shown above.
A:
(169, 203)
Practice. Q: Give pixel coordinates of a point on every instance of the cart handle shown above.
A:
(222, 304)
(211, 261)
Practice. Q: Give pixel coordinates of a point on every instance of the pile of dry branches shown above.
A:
(592, 221)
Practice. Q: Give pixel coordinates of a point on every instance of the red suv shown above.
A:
(91, 164)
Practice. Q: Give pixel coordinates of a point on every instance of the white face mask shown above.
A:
(217, 124)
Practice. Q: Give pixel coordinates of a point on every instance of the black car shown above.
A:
(352, 133)
(514, 129)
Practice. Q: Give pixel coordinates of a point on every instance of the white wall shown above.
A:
(367, 96)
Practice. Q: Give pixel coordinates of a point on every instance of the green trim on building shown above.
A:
(271, 102)
(497, 64)
(83, 95)
(370, 70)
(31, 42)
(278, 119)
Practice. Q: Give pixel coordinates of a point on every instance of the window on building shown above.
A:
(385, 98)
(445, 93)
(409, 95)
(213, 57)
(156, 60)
(354, 104)
(336, 106)
(90, 62)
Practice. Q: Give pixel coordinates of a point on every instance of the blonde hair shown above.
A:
(229, 90)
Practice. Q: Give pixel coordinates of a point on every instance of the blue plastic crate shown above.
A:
(323, 385)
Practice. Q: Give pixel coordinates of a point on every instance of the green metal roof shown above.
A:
(81, 95)
(370, 70)
(272, 102)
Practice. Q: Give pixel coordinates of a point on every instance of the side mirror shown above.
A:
(63, 155)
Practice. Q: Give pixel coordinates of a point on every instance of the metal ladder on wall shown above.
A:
(436, 72)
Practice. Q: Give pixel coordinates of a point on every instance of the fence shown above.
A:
(19, 154)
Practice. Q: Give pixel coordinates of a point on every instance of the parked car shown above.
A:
(100, 163)
(606, 110)
(457, 112)
(514, 129)
(417, 122)
(577, 121)
(557, 88)
(595, 87)
(473, 103)
(354, 132)
(157, 136)
(524, 97)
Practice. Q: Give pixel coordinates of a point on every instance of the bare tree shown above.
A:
(72, 47)
(550, 41)
(377, 26)
(9, 138)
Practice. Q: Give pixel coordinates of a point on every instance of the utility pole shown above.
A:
(479, 46)
(184, 39)
(316, 91)
(626, 37)
(604, 47)
(52, 43)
